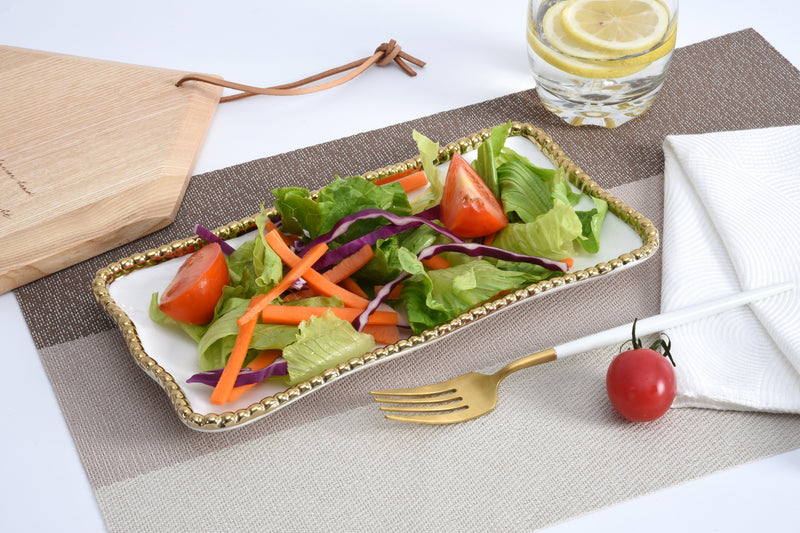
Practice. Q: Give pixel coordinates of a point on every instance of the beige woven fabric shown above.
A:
(552, 450)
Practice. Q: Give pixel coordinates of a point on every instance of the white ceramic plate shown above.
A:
(170, 357)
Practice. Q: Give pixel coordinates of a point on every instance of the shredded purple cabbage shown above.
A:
(384, 232)
(209, 236)
(246, 376)
(380, 296)
(398, 224)
(341, 227)
(474, 249)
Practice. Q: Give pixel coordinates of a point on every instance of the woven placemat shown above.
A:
(552, 450)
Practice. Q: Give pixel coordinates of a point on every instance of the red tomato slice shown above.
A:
(196, 288)
(469, 208)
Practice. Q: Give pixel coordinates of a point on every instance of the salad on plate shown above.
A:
(331, 274)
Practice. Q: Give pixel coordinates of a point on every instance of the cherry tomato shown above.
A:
(196, 288)
(641, 384)
(469, 208)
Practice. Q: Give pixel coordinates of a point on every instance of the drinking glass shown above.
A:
(600, 62)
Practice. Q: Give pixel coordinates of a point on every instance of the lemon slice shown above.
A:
(555, 34)
(562, 51)
(624, 27)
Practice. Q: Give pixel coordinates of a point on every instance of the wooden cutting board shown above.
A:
(93, 154)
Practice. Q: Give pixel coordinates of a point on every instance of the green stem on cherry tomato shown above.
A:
(657, 346)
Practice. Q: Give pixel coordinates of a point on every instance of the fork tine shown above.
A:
(427, 390)
(411, 400)
(443, 418)
(431, 408)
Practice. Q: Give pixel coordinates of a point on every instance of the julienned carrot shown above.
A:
(383, 334)
(395, 177)
(301, 267)
(437, 262)
(270, 225)
(489, 239)
(568, 261)
(228, 378)
(263, 360)
(294, 314)
(247, 322)
(350, 264)
(415, 181)
(351, 285)
(314, 279)
(300, 295)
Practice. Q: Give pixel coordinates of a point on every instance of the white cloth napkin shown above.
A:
(732, 223)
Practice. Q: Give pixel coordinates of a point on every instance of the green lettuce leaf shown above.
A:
(523, 193)
(385, 265)
(429, 154)
(300, 214)
(549, 235)
(436, 296)
(591, 223)
(560, 188)
(323, 342)
(308, 218)
(267, 266)
(485, 164)
(216, 344)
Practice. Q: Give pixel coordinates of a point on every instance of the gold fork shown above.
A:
(472, 395)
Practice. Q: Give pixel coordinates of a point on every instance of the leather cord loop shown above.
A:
(384, 54)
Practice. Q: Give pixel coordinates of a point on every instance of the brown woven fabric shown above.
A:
(131, 442)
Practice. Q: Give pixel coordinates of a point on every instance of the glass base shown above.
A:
(596, 114)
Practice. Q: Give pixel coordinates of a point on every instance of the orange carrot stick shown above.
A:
(350, 285)
(247, 322)
(228, 378)
(300, 295)
(294, 314)
(314, 279)
(409, 183)
(263, 360)
(413, 182)
(270, 225)
(301, 267)
(350, 264)
(387, 334)
(436, 262)
(395, 177)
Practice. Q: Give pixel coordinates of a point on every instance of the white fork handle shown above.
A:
(664, 321)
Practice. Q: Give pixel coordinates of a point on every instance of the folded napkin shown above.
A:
(731, 219)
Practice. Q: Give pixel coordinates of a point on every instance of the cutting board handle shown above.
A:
(384, 55)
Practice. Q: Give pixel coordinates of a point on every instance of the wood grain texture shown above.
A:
(93, 154)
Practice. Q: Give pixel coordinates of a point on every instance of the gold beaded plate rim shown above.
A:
(647, 242)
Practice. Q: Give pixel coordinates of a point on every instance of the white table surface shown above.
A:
(475, 51)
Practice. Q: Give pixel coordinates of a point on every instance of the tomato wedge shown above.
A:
(469, 208)
(196, 288)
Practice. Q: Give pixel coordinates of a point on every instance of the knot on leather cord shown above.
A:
(384, 54)
(392, 52)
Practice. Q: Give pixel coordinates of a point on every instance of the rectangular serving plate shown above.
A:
(168, 356)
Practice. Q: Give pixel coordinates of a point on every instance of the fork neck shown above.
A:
(545, 356)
